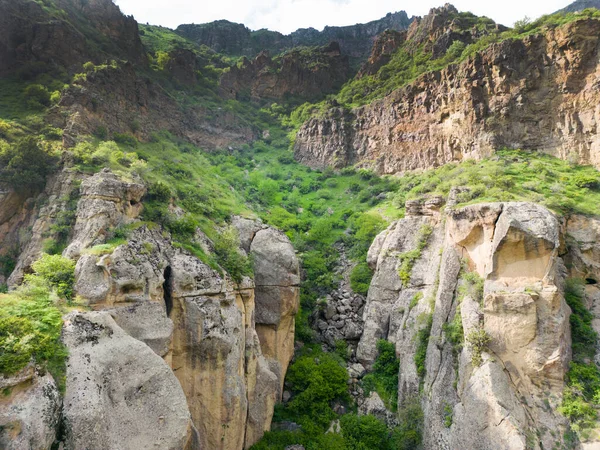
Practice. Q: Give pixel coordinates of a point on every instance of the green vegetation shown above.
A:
(384, 378)
(24, 165)
(31, 318)
(581, 397)
(409, 258)
(412, 59)
(510, 175)
(478, 339)
(422, 343)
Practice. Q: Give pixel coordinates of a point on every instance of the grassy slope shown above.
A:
(316, 209)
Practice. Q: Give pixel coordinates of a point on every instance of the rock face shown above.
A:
(235, 39)
(514, 249)
(105, 203)
(26, 223)
(120, 394)
(29, 411)
(120, 100)
(501, 97)
(228, 345)
(36, 35)
(299, 73)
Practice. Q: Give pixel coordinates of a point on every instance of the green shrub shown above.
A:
(364, 432)
(229, 257)
(125, 139)
(422, 343)
(478, 339)
(360, 278)
(58, 272)
(384, 378)
(316, 379)
(25, 166)
(581, 397)
(37, 95)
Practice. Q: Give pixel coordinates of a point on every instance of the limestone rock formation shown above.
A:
(105, 203)
(29, 411)
(533, 93)
(277, 278)
(228, 344)
(120, 394)
(515, 248)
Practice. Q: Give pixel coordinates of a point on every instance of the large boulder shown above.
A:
(29, 411)
(120, 394)
(277, 279)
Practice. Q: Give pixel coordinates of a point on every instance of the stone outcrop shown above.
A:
(277, 278)
(515, 249)
(536, 93)
(298, 73)
(120, 394)
(30, 410)
(228, 344)
(52, 35)
(105, 203)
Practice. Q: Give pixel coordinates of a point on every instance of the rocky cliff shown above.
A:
(201, 359)
(302, 73)
(533, 93)
(52, 35)
(492, 395)
(236, 39)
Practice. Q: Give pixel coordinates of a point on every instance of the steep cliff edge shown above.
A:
(236, 39)
(474, 301)
(205, 357)
(498, 98)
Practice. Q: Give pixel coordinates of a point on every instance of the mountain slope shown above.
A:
(236, 39)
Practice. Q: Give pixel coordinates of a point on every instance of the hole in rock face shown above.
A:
(132, 203)
(590, 281)
(168, 290)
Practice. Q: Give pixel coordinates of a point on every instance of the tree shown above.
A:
(24, 166)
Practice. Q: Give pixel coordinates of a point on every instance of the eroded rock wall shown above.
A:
(509, 400)
(536, 93)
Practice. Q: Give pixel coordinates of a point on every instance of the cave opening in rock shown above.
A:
(590, 281)
(168, 290)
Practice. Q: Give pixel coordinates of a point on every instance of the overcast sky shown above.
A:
(289, 15)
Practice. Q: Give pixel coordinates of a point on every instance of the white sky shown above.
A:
(289, 15)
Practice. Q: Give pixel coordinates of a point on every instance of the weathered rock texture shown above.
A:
(513, 395)
(229, 345)
(306, 74)
(120, 100)
(537, 93)
(120, 394)
(25, 223)
(34, 35)
(29, 411)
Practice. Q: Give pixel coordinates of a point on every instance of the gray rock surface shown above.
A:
(29, 411)
(120, 394)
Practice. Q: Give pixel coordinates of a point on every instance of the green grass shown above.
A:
(384, 378)
(510, 175)
(581, 398)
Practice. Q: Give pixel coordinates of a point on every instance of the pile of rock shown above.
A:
(340, 317)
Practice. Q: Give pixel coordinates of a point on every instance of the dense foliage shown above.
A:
(581, 398)
(31, 318)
